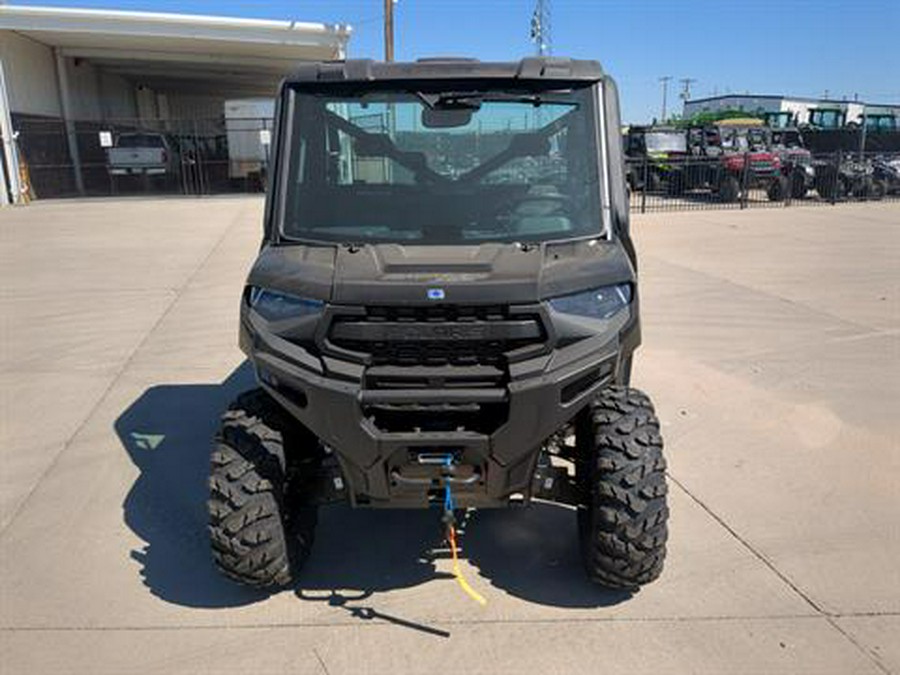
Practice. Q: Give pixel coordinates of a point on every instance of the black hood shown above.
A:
(386, 274)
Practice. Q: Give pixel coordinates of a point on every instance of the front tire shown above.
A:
(729, 189)
(829, 183)
(798, 184)
(621, 473)
(877, 190)
(778, 189)
(258, 538)
(676, 183)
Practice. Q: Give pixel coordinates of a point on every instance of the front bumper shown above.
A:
(389, 467)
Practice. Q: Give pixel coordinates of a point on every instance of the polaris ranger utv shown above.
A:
(655, 158)
(443, 313)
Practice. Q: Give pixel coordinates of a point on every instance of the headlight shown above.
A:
(599, 303)
(275, 305)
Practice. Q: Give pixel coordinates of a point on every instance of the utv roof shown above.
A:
(450, 68)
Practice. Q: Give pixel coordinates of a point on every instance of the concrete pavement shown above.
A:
(771, 348)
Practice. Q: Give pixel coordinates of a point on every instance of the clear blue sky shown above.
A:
(799, 47)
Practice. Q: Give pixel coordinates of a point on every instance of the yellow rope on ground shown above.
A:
(457, 572)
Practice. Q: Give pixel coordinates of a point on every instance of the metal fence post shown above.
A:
(644, 187)
(183, 159)
(789, 183)
(744, 180)
(836, 158)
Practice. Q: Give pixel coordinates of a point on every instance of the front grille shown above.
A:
(762, 167)
(437, 335)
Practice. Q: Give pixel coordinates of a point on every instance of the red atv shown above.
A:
(730, 159)
(748, 161)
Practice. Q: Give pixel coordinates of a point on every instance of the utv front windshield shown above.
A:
(441, 167)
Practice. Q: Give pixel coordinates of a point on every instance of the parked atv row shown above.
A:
(858, 158)
(731, 157)
(726, 160)
(886, 169)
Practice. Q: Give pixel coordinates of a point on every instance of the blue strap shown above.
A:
(448, 494)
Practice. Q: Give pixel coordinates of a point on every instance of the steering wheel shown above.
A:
(511, 206)
(506, 213)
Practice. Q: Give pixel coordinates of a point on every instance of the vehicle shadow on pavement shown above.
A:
(168, 433)
(532, 553)
(529, 553)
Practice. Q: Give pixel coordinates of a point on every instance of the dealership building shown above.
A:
(797, 106)
(72, 80)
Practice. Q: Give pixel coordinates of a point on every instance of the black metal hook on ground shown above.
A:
(336, 599)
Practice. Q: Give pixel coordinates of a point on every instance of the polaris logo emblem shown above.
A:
(435, 293)
(439, 332)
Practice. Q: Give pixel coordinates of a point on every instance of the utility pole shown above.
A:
(388, 30)
(686, 83)
(665, 92)
(540, 28)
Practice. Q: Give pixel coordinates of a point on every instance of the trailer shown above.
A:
(248, 126)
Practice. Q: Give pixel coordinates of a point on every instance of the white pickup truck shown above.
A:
(140, 153)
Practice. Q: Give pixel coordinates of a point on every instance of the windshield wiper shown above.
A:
(473, 100)
(456, 100)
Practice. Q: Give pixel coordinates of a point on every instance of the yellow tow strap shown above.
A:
(457, 572)
(449, 508)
